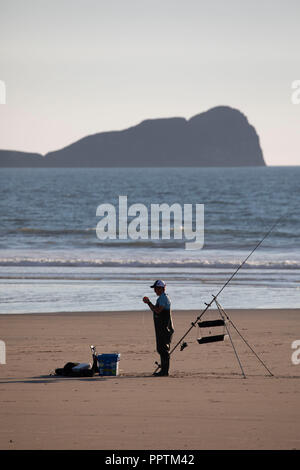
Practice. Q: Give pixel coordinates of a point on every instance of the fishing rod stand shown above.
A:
(226, 319)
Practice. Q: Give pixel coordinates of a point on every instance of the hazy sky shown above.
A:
(77, 67)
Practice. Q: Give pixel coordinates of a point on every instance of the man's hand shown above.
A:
(152, 307)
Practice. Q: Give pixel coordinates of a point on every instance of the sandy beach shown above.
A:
(204, 403)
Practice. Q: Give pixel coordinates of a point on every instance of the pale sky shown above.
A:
(78, 67)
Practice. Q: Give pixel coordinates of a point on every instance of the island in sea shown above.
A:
(219, 137)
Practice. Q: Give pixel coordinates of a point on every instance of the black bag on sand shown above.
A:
(67, 371)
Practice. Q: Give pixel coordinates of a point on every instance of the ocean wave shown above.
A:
(42, 231)
(145, 262)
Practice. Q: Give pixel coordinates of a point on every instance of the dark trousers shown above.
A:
(163, 342)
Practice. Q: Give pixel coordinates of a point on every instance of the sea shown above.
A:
(52, 260)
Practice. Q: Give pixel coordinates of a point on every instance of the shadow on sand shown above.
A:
(46, 379)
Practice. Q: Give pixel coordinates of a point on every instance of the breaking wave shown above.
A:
(147, 262)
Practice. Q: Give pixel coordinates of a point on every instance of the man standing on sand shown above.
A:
(163, 325)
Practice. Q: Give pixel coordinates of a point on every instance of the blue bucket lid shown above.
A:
(109, 357)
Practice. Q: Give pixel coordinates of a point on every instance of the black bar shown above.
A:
(211, 323)
(210, 339)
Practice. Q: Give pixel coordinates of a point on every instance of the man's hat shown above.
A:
(158, 283)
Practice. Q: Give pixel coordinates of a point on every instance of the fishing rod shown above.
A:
(208, 305)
